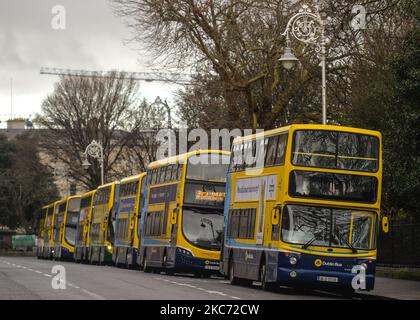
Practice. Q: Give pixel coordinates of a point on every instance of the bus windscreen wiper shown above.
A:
(353, 249)
(307, 244)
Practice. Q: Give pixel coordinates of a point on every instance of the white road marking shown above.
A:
(197, 288)
(94, 295)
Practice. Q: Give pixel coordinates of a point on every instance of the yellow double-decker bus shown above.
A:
(48, 243)
(127, 221)
(81, 249)
(65, 225)
(102, 224)
(303, 207)
(182, 216)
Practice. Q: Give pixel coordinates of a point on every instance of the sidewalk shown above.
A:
(396, 289)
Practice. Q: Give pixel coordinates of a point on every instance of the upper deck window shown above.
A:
(262, 152)
(208, 167)
(165, 174)
(335, 150)
(102, 195)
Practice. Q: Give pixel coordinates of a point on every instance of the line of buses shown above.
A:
(295, 206)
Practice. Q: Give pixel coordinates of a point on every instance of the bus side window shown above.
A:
(281, 149)
(233, 224)
(251, 227)
(261, 151)
(234, 158)
(147, 224)
(162, 175)
(168, 176)
(174, 172)
(271, 151)
(248, 155)
(180, 170)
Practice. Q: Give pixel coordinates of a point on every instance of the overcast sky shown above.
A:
(94, 39)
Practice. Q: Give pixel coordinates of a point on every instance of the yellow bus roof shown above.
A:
(132, 178)
(182, 157)
(74, 197)
(60, 201)
(88, 193)
(306, 127)
(108, 184)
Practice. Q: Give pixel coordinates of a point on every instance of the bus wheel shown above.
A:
(232, 279)
(168, 271)
(267, 286)
(146, 268)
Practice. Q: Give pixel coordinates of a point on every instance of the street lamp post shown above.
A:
(157, 101)
(95, 150)
(307, 27)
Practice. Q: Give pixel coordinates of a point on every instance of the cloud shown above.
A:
(93, 39)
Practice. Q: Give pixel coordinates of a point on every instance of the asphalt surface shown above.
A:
(29, 278)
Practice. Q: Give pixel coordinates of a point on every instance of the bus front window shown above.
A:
(340, 228)
(203, 228)
(209, 167)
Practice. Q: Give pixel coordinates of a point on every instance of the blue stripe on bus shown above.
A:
(153, 241)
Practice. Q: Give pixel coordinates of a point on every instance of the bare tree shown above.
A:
(239, 43)
(144, 144)
(82, 109)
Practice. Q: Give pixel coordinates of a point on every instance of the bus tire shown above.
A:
(232, 279)
(266, 286)
(146, 268)
(168, 271)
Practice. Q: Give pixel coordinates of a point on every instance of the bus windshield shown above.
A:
(327, 227)
(335, 150)
(203, 228)
(209, 167)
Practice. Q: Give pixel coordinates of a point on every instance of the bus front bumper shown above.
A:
(186, 261)
(326, 272)
(63, 253)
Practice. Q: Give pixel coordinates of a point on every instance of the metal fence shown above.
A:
(401, 245)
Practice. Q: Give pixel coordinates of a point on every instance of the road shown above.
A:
(29, 278)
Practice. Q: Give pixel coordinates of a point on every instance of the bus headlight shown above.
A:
(364, 266)
(293, 274)
(184, 251)
(293, 261)
(109, 247)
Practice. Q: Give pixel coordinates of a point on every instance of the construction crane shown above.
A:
(173, 77)
(178, 78)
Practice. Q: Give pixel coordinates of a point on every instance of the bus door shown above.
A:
(261, 190)
(126, 220)
(171, 212)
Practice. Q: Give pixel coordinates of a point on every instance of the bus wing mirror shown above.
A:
(385, 224)
(275, 214)
(174, 216)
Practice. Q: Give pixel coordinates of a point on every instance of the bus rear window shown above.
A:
(335, 150)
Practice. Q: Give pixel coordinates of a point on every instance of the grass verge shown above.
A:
(399, 273)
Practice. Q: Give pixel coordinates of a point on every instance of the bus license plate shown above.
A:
(211, 267)
(327, 279)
